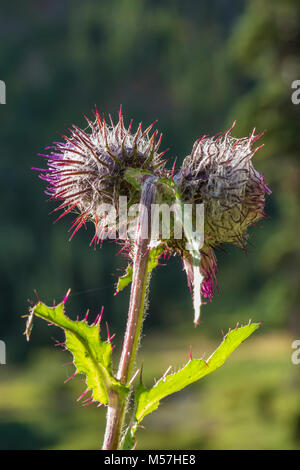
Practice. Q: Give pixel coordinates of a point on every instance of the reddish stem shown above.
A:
(117, 408)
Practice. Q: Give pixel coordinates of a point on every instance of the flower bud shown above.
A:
(219, 173)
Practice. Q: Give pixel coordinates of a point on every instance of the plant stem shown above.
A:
(117, 408)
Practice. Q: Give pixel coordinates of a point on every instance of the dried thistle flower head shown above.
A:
(87, 170)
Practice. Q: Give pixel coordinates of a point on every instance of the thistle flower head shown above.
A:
(87, 169)
(219, 172)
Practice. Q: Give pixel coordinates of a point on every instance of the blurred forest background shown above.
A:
(196, 66)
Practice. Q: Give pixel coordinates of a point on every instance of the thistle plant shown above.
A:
(117, 179)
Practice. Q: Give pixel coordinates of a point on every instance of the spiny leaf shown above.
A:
(147, 400)
(92, 357)
(126, 279)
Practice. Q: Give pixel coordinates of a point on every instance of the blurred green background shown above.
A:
(196, 66)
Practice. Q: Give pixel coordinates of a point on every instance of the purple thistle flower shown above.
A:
(87, 169)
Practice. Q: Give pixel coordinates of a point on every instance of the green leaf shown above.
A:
(147, 400)
(195, 242)
(92, 357)
(126, 279)
(128, 441)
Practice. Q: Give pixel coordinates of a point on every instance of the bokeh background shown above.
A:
(196, 66)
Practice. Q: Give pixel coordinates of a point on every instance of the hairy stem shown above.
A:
(117, 409)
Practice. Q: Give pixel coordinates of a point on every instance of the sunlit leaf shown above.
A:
(147, 400)
(92, 357)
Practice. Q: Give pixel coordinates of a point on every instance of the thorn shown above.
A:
(165, 374)
(173, 168)
(88, 399)
(109, 338)
(111, 121)
(82, 395)
(122, 249)
(135, 139)
(58, 344)
(121, 122)
(134, 446)
(86, 315)
(233, 125)
(89, 403)
(258, 148)
(141, 426)
(151, 142)
(71, 377)
(66, 296)
(101, 315)
(162, 153)
(158, 143)
(133, 377)
(37, 295)
(191, 355)
(130, 126)
(94, 241)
